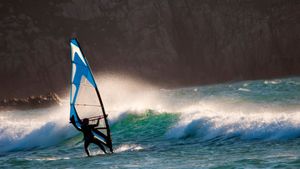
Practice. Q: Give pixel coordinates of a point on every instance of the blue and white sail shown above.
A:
(85, 100)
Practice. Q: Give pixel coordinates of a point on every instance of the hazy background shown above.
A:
(171, 43)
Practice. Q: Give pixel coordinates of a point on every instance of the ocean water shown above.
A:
(249, 124)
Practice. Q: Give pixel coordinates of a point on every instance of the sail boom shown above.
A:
(87, 105)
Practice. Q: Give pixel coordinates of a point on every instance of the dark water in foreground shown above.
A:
(253, 124)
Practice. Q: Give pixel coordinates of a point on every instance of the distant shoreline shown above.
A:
(31, 102)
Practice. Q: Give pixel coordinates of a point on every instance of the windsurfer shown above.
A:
(89, 137)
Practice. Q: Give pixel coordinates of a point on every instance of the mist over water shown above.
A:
(152, 124)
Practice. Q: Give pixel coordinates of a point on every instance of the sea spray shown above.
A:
(21, 130)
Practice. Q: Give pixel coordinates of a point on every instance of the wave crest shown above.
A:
(242, 125)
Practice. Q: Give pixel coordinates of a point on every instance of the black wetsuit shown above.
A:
(89, 137)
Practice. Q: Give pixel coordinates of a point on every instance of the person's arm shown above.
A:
(95, 125)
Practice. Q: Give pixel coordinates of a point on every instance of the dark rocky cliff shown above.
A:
(169, 42)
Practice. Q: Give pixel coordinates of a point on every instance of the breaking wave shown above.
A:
(138, 112)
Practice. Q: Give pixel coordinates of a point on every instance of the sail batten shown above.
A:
(85, 99)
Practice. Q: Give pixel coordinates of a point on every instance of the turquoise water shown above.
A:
(250, 124)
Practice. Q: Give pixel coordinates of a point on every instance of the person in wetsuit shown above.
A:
(89, 136)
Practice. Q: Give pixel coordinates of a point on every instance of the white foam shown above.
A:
(277, 81)
(128, 147)
(48, 158)
(244, 89)
(34, 128)
(246, 120)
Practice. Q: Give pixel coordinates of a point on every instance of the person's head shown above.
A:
(85, 121)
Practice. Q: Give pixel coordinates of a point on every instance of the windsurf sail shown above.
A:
(85, 100)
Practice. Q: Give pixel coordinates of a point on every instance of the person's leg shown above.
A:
(111, 150)
(86, 144)
(97, 142)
